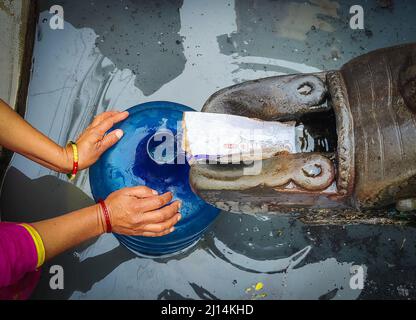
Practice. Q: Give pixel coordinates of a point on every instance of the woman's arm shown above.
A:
(19, 136)
(132, 211)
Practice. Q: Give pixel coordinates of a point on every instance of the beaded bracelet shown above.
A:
(72, 175)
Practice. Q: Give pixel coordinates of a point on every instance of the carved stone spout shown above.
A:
(361, 123)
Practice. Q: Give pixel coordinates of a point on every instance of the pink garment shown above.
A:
(18, 255)
(22, 289)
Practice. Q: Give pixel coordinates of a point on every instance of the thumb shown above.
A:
(111, 139)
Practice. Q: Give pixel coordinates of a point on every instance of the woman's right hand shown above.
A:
(138, 211)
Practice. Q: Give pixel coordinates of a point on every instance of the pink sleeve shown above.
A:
(18, 253)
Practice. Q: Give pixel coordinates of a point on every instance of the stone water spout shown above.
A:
(359, 147)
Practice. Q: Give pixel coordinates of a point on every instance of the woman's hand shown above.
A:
(138, 211)
(93, 142)
(19, 136)
(132, 211)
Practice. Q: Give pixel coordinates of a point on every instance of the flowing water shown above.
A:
(116, 54)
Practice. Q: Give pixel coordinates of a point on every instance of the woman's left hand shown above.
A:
(93, 142)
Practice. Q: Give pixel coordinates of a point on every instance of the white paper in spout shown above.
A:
(228, 138)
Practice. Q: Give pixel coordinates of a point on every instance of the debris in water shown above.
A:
(259, 286)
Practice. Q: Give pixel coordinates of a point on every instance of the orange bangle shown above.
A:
(74, 172)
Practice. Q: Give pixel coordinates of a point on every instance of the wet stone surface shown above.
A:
(115, 54)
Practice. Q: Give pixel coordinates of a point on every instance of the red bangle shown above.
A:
(106, 216)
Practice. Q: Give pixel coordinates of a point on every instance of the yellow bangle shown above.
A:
(40, 248)
(72, 175)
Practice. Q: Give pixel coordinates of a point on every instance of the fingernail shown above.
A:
(155, 192)
(179, 217)
(180, 204)
(119, 133)
(172, 229)
(126, 112)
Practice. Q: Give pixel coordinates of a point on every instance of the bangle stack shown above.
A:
(72, 175)
(106, 216)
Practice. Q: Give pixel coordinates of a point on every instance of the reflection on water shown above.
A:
(96, 63)
(221, 266)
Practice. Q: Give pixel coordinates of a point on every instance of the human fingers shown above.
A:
(162, 214)
(102, 116)
(162, 226)
(110, 139)
(108, 123)
(156, 234)
(152, 203)
(140, 192)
